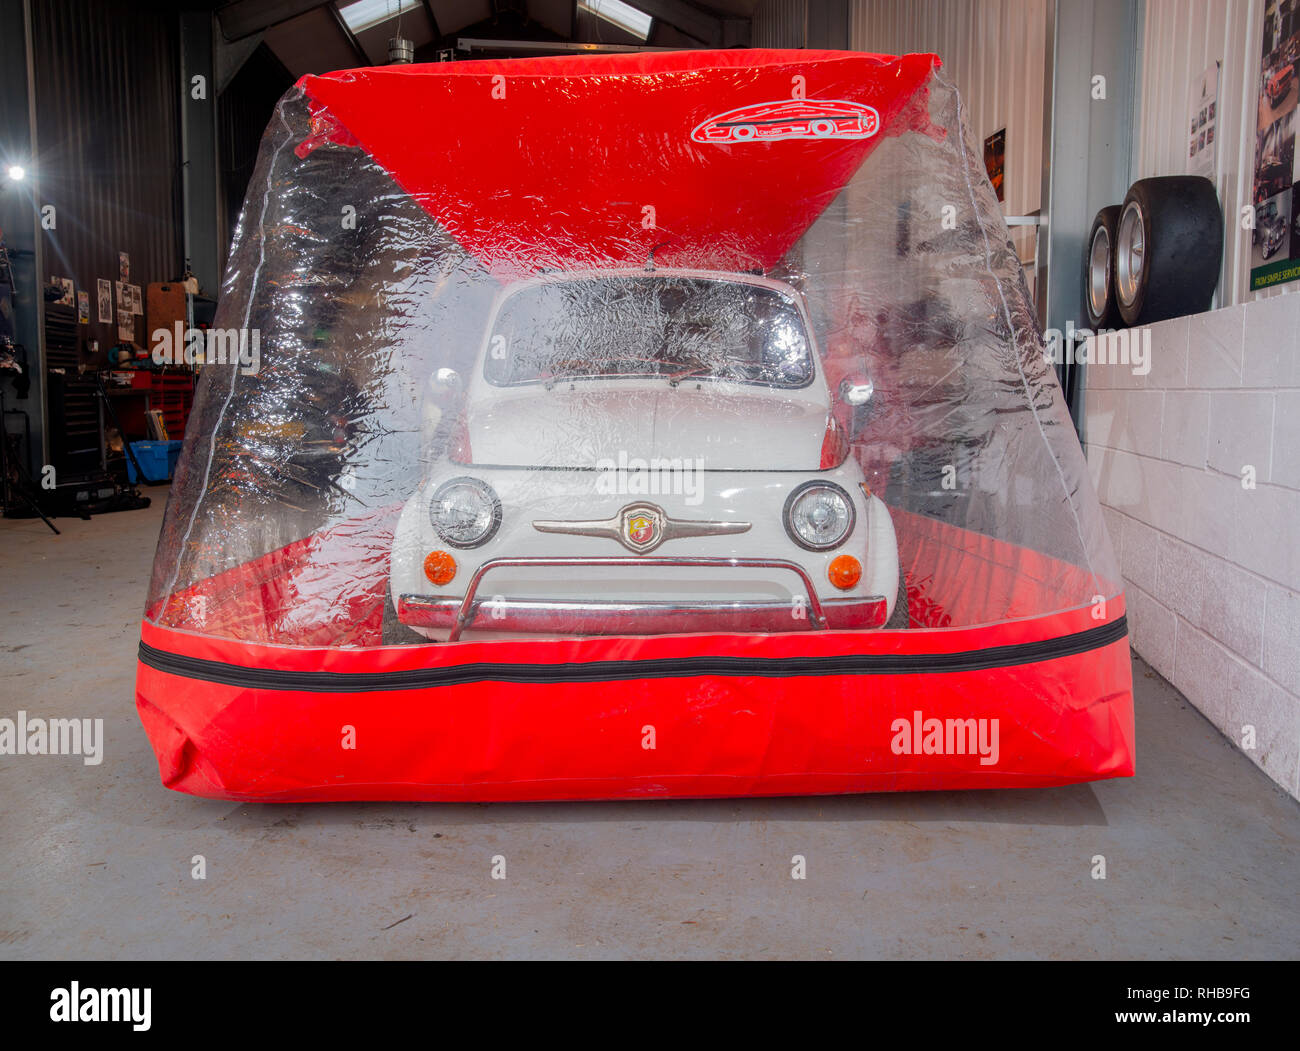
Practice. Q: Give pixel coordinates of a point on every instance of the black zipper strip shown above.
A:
(621, 671)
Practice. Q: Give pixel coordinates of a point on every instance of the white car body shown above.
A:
(583, 547)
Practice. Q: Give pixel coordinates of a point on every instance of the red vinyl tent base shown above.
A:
(713, 734)
(1024, 703)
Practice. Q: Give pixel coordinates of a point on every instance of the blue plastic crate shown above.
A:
(157, 460)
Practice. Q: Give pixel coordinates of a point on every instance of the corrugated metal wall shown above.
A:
(108, 147)
(780, 23)
(1182, 38)
(995, 52)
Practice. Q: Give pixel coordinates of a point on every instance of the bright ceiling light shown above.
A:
(367, 13)
(16, 172)
(625, 16)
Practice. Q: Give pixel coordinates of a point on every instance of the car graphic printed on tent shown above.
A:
(793, 119)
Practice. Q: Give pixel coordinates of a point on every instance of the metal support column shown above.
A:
(200, 183)
(1087, 144)
(20, 202)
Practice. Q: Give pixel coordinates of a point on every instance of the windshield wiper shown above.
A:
(696, 370)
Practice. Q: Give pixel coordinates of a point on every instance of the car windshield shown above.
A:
(638, 326)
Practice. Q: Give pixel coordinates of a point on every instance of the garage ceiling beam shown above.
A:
(232, 56)
(246, 17)
(689, 19)
(351, 37)
(471, 44)
(433, 20)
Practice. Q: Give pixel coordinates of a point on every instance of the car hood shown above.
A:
(588, 426)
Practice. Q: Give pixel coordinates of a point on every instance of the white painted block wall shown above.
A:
(1212, 567)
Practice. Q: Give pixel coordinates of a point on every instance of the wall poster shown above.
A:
(1275, 241)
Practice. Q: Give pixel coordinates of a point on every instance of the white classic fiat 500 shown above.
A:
(643, 452)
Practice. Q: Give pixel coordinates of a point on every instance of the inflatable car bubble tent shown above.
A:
(647, 425)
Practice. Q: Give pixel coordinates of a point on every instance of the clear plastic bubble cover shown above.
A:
(648, 345)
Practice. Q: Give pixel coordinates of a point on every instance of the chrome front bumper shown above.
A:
(618, 617)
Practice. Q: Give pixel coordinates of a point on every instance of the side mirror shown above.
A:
(856, 390)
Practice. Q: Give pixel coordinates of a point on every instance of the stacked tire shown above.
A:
(1156, 256)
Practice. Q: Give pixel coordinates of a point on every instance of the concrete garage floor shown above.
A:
(1201, 848)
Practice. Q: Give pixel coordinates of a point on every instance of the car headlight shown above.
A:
(819, 516)
(465, 512)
